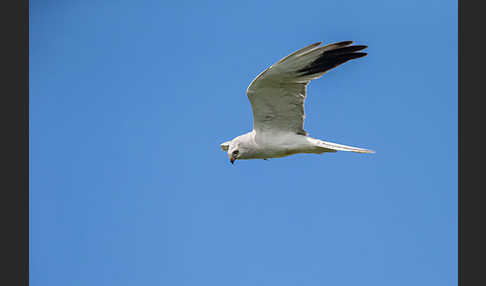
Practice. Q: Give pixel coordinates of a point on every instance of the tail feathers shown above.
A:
(333, 147)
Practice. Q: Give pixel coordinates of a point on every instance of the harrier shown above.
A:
(277, 98)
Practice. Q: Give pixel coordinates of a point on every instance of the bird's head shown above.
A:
(232, 149)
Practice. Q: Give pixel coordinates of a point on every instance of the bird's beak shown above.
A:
(232, 159)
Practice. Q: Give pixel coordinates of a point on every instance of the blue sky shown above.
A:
(129, 101)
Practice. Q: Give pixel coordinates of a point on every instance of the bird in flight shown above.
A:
(277, 98)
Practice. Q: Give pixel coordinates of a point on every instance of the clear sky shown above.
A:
(129, 101)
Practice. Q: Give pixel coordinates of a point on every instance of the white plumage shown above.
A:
(277, 98)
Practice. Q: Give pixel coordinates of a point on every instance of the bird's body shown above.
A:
(264, 145)
(277, 97)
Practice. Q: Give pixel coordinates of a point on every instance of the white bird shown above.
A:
(277, 98)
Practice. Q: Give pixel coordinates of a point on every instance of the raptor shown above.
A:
(277, 98)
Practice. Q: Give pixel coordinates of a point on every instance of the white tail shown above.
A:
(339, 147)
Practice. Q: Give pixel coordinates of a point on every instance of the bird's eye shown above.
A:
(235, 152)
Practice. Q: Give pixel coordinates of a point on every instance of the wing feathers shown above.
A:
(332, 58)
(333, 46)
(301, 51)
(326, 63)
(346, 50)
(277, 94)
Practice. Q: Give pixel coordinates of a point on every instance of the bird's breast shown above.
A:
(275, 145)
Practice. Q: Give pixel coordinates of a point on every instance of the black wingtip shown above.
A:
(332, 58)
(343, 43)
(345, 50)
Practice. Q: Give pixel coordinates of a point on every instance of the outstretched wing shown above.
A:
(277, 95)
